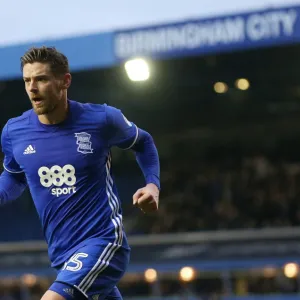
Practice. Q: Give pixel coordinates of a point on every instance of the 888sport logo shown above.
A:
(58, 176)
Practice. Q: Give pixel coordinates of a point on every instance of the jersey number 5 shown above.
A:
(74, 263)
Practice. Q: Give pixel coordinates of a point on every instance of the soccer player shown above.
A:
(60, 149)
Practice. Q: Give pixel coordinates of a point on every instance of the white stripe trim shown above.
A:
(81, 291)
(114, 205)
(117, 223)
(118, 216)
(135, 139)
(92, 271)
(111, 248)
(12, 171)
(102, 265)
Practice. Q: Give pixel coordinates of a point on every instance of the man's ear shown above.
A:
(67, 80)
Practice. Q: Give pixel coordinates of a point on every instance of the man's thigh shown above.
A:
(94, 271)
(62, 291)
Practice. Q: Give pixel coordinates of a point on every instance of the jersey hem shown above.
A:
(93, 241)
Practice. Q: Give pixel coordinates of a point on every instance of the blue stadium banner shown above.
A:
(84, 53)
(249, 30)
(270, 27)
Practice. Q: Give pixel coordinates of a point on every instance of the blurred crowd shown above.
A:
(251, 192)
(223, 192)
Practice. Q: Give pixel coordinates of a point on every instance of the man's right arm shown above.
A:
(12, 180)
(12, 185)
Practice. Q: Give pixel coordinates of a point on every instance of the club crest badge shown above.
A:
(84, 142)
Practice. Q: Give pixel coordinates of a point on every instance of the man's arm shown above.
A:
(147, 198)
(12, 180)
(12, 185)
(147, 157)
(127, 135)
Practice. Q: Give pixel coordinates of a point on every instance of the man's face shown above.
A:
(44, 90)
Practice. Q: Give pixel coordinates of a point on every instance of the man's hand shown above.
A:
(147, 198)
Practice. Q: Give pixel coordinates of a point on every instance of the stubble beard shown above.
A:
(45, 109)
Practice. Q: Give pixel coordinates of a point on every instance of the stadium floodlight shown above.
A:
(242, 84)
(150, 275)
(220, 87)
(291, 270)
(187, 274)
(137, 69)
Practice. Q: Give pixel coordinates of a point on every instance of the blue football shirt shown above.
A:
(68, 171)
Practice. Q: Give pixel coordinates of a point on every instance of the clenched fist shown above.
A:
(147, 198)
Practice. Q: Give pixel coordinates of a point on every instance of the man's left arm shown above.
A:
(147, 157)
(127, 135)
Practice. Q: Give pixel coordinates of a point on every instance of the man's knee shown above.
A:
(50, 295)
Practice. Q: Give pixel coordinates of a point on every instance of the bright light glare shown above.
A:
(187, 274)
(150, 275)
(242, 84)
(220, 87)
(291, 270)
(137, 69)
(29, 279)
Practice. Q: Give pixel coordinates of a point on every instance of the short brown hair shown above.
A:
(58, 62)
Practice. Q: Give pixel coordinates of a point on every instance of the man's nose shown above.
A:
(33, 87)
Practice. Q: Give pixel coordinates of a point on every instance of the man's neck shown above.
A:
(58, 115)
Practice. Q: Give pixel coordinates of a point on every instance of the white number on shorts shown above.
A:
(75, 261)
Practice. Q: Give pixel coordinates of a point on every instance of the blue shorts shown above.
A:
(92, 273)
